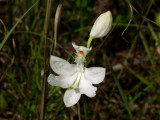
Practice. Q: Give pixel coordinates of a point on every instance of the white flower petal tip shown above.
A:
(71, 97)
(61, 66)
(102, 25)
(81, 49)
(95, 74)
(86, 87)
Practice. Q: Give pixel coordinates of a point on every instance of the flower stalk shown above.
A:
(89, 42)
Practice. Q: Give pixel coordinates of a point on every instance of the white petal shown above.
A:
(75, 46)
(63, 81)
(71, 97)
(61, 66)
(102, 25)
(86, 87)
(82, 48)
(95, 74)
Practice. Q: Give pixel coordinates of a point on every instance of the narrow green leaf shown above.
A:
(137, 75)
(120, 89)
(11, 30)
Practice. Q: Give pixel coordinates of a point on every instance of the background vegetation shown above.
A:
(130, 52)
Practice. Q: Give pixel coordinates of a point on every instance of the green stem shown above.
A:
(89, 42)
(79, 111)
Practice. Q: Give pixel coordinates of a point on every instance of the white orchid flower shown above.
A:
(101, 26)
(75, 77)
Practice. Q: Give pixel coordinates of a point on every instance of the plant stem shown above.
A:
(44, 84)
(79, 111)
(89, 42)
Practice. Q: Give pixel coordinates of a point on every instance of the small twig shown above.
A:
(141, 14)
(12, 61)
(5, 29)
(44, 84)
(128, 22)
(56, 23)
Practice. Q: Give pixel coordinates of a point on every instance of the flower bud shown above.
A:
(102, 25)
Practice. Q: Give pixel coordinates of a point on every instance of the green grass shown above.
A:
(19, 20)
